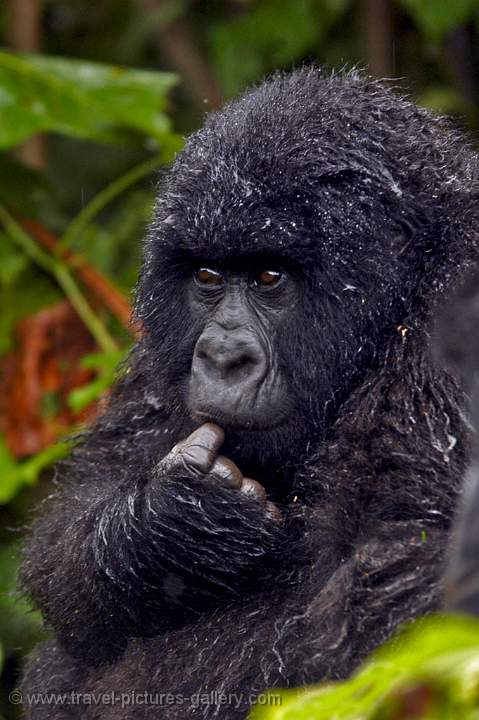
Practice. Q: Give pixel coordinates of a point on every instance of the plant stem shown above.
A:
(63, 277)
(104, 197)
(81, 305)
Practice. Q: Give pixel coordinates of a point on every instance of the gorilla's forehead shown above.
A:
(304, 161)
(243, 215)
(294, 131)
(326, 168)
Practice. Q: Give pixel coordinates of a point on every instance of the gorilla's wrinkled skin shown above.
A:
(168, 570)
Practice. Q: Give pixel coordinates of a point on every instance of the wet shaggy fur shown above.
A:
(155, 585)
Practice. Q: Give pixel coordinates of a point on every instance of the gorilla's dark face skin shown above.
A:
(235, 377)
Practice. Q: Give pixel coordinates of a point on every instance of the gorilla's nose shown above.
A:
(231, 358)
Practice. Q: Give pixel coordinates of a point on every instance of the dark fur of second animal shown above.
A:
(375, 203)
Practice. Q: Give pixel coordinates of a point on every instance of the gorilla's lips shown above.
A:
(237, 419)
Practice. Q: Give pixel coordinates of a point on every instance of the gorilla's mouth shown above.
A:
(252, 404)
(238, 421)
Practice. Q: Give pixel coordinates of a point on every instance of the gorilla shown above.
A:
(271, 489)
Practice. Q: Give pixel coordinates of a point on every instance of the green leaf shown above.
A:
(436, 17)
(106, 364)
(16, 475)
(10, 482)
(81, 99)
(435, 660)
(104, 361)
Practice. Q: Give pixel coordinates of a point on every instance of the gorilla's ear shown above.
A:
(459, 334)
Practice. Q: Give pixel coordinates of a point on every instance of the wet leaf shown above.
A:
(80, 98)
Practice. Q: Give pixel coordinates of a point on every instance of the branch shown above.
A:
(63, 277)
(376, 19)
(104, 197)
(100, 286)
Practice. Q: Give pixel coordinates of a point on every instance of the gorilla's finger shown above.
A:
(226, 473)
(199, 450)
(253, 489)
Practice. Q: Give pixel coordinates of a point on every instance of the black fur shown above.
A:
(375, 202)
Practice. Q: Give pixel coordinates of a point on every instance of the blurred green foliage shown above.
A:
(116, 83)
(437, 18)
(430, 671)
(264, 40)
(48, 94)
(91, 101)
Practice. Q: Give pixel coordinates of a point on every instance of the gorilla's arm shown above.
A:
(390, 576)
(314, 630)
(133, 549)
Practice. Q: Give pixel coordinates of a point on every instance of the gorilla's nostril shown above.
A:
(242, 361)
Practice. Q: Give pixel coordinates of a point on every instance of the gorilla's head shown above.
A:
(300, 229)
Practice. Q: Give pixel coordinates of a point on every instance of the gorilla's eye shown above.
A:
(268, 278)
(208, 278)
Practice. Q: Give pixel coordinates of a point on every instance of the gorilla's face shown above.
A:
(236, 379)
(289, 248)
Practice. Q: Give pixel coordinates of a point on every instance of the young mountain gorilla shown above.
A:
(271, 489)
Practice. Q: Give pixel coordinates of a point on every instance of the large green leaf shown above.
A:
(429, 672)
(82, 99)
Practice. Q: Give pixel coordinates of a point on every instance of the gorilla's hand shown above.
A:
(197, 458)
(212, 525)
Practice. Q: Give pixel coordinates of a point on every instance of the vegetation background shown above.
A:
(95, 98)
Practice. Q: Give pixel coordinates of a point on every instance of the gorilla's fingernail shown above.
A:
(201, 447)
(253, 489)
